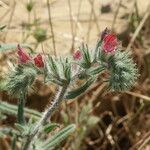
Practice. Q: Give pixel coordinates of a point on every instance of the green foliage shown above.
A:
(19, 80)
(58, 70)
(7, 131)
(74, 93)
(52, 142)
(121, 75)
(66, 68)
(49, 127)
(86, 60)
(95, 70)
(86, 122)
(123, 72)
(11, 109)
(25, 129)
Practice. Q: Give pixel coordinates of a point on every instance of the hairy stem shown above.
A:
(21, 104)
(46, 115)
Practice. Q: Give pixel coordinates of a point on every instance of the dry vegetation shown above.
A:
(105, 121)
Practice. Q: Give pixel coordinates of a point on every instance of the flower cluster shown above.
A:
(109, 44)
(24, 58)
(107, 55)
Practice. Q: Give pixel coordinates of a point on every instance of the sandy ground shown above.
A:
(87, 28)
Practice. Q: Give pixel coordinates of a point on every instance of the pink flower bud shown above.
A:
(38, 61)
(23, 56)
(77, 55)
(109, 43)
(105, 32)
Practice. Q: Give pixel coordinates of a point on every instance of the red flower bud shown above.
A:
(109, 43)
(38, 61)
(23, 56)
(77, 55)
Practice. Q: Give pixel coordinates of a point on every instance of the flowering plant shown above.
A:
(86, 65)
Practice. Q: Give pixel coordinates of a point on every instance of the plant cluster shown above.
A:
(86, 65)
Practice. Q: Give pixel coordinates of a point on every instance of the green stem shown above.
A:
(46, 115)
(21, 104)
(14, 142)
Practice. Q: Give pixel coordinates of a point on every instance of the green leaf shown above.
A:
(95, 71)
(12, 110)
(49, 127)
(4, 47)
(53, 65)
(86, 60)
(80, 90)
(52, 142)
(14, 140)
(25, 129)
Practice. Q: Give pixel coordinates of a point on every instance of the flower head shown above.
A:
(23, 56)
(38, 61)
(109, 43)
(77, 55)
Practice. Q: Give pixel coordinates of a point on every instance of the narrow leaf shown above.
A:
(58, 137)
(12, 110)
(80, 90)
(49, 127)
(95, 71)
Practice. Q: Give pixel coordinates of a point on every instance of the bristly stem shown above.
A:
(46, 115)
(21, 104)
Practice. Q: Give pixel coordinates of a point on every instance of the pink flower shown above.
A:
(77, 55)
(23, 56)
(109, 43)
(38, 61)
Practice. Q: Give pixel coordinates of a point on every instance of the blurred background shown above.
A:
(105, 121)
